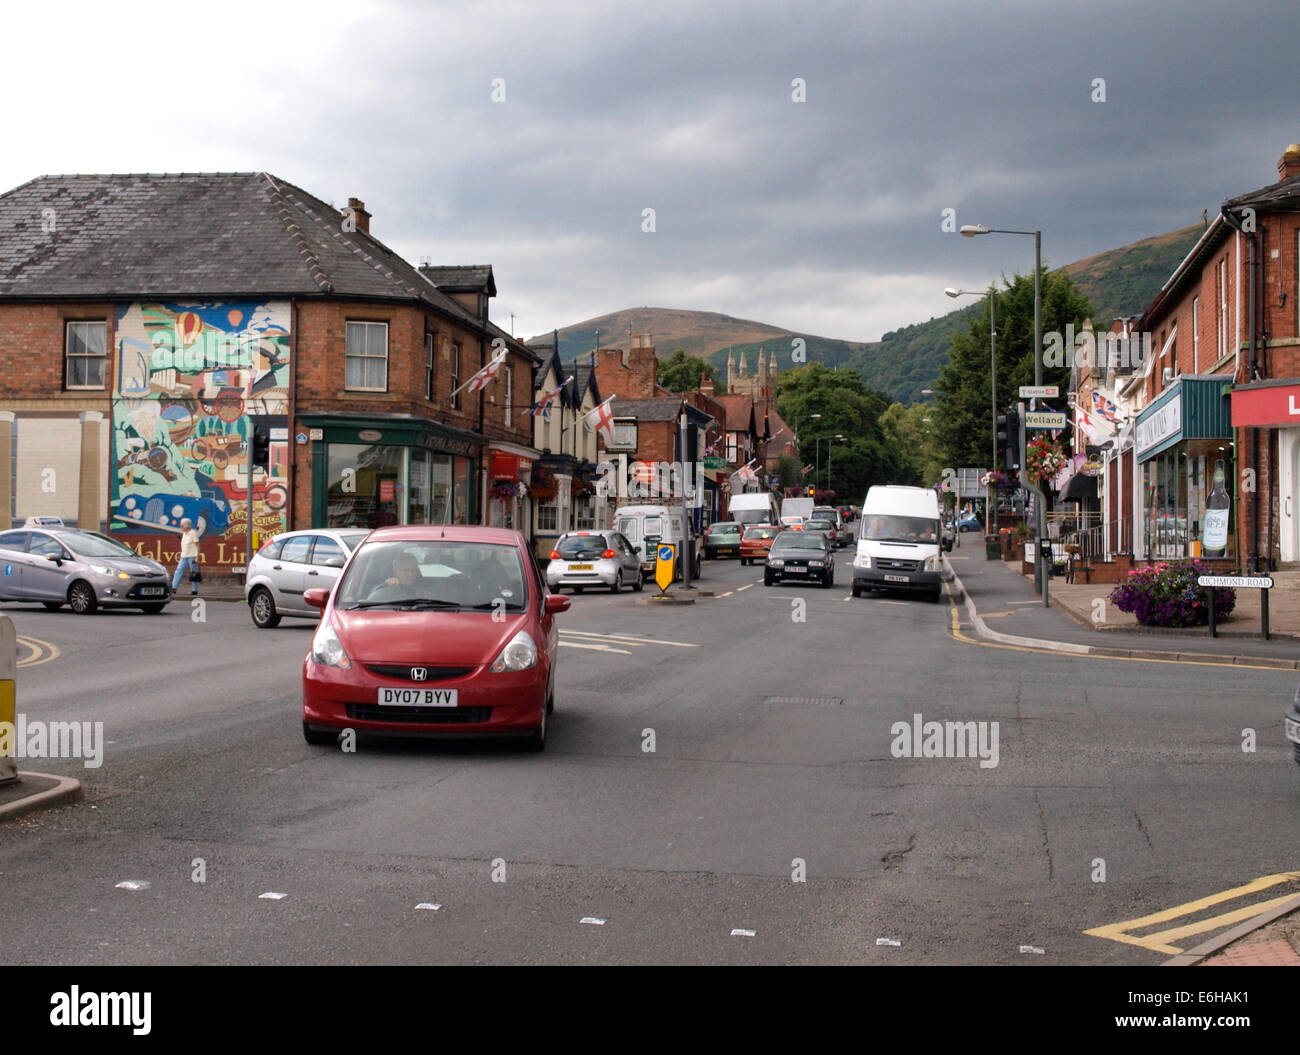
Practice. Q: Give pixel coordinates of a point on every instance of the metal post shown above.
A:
(1213, 632)
(687, 554)
(1040, 505)
(1263, 611)
(993, 387)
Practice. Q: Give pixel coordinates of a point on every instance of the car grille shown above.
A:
(373, 712)
(402, 672)
(886, 564)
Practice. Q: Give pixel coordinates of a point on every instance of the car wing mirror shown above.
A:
(316, 598)
(555, 603)
(57, 558)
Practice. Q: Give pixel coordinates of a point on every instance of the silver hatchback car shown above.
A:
(594, 558)
(292, 563)
(82, 569)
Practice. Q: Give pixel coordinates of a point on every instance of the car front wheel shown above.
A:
(767, 580)
(261, 606)
(319, 737)
(82, 598)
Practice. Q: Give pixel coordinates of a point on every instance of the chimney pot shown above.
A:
(356, 212)
(1288, 165)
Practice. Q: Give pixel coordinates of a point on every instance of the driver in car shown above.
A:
(404, 584)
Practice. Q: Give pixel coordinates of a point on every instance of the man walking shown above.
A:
(189, 556)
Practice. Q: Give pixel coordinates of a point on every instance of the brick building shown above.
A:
(170, 337)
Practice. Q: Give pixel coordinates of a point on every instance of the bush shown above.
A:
(1167, 595)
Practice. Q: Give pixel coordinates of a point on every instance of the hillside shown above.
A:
(1119, 282)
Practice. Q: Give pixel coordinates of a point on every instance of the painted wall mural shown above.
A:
(193, 383)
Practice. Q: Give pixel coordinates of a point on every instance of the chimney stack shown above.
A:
(1288, 165)
(356, 212)
(706, 386)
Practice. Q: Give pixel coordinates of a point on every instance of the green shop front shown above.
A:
(1184, 450)
(370, 471)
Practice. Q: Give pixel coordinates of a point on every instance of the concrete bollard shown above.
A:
(8, 700)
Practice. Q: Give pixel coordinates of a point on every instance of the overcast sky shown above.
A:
(822, 216)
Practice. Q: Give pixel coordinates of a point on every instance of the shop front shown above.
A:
(510, 468)
(1275, 406)
(373, 471)
(1186, 472)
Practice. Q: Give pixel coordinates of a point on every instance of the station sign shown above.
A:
(1040, 391)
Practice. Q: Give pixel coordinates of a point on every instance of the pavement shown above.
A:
(1004, 607)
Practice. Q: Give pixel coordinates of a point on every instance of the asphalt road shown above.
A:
(1136, 765)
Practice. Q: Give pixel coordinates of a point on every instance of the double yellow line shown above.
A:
(38, 651)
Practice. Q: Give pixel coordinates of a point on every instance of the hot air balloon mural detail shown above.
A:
(188, 327)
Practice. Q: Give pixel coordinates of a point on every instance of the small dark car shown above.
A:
(800, 556)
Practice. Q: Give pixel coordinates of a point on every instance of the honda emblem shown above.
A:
(419, 673)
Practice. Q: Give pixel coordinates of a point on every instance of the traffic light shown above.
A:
(812, 491)
(1011, 446)
(261, 445)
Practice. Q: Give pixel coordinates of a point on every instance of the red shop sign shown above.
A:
(1274, 405)
(387, 490)
(505, 466)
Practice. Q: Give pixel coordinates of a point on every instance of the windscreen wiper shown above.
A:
(407, 602)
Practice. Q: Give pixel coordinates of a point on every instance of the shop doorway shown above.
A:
(1288, 449)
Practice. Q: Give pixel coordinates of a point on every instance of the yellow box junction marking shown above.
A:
(1162, 941)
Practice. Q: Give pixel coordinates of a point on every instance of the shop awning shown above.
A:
(1081, 488)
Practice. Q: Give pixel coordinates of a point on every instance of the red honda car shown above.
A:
(434, 631)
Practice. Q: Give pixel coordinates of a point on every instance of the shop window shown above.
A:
(366, 361)
(84, 355)
(366, 485)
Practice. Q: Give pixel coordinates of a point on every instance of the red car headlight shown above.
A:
(519, 654)
(327, 649)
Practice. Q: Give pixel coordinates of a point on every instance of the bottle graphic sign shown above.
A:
(1215, 533)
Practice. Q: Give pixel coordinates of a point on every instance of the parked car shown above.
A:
(434, 630)
(722, 540)
(292, 563)
(756, 541)
(970, 522)
(802, 556)
(84, 570)
(594, 558)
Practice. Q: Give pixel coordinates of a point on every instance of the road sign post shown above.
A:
(1262, 583)
(665, 554)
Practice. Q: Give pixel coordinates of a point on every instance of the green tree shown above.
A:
(910, 438)
(683, 373)
(962, 411)
(787, 471)
(847, 408)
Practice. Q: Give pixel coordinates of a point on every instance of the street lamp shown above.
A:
(811, 417)
(993, 388)
(970, 230)
(830, 440)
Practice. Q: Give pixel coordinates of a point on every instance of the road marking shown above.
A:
(625, 639)
(882, 601)
(595, 648)
(996, 615)
(955, 630)
(1038, 600)
(39, 651)
(848, 598)
(1161, 941)
(746, 587)
(727, 594)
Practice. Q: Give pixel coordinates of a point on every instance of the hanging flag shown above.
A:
(601, 420)
(806, 470)
(1104, 408)
(543, 405)
(744, 475)
(480, 380)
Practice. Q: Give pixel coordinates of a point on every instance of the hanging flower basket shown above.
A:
(1045, 459)
(998, 480)
(505, 490)
(581, 488)
(543, 488)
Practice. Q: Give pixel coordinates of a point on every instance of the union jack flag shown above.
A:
(543, 405)
(1103, 407)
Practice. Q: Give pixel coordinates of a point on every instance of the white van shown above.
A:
(758, 508)
(798, 507)
(899, 536)
(645, 526)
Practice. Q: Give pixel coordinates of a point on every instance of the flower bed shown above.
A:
(1166, 594)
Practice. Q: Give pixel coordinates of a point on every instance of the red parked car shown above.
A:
(756, 541)
(434, 631)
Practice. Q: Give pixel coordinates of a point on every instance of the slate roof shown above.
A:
(741, 415)
(172, 236)
(662, 409)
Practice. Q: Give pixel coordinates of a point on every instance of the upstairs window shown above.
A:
(428, 366)
(455, 374)
(84, 354)
(366, 361)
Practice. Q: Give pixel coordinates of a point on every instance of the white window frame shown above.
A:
(364, 355)
(68, 355)
(553, 508)
(429, 344)
(584, 513)
(1196, 335)
(1223, 307)
(510, 392)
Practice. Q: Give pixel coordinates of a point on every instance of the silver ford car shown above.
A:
(82, 569)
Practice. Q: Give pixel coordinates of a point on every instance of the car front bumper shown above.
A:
(488, 704)
(872, 579)
(1293, 730)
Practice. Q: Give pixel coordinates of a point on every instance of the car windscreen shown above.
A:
(882, 527)
(818, 525)
(750, 516)
(799, 540)
(724, 529)
(574, 547)
(760, 532)
(95, 546)
(434, 574)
